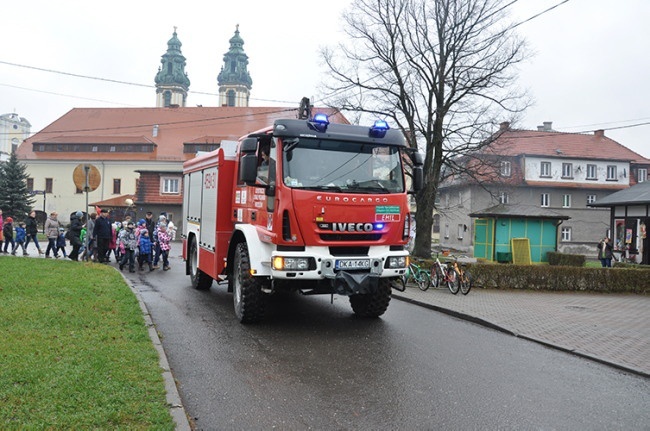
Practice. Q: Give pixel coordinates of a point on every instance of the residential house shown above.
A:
(562, 172)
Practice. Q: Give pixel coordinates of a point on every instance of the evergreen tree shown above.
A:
(15, 199)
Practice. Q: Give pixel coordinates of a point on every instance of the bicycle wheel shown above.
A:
(452, 280)
(435, 276)
(422, 279)
(465, 282)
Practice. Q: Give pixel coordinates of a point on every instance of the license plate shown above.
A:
(352, 264)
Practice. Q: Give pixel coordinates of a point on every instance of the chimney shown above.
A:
(599, 133)
(504, 126)
(548, 126)
(540, 128)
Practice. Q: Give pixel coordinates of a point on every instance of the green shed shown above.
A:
(495, 227)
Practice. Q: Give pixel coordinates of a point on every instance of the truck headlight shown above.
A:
(397, 262)
(281, 263)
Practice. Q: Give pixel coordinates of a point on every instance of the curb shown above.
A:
(496, 327)
(174, 401)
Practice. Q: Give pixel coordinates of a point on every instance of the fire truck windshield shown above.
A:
(348, 167)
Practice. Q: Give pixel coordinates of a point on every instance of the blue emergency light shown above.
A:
(378, 130)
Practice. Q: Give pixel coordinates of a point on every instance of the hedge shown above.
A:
(561, 278)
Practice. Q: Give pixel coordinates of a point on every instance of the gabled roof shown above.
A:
(519, 211)
(166, 128)
(513, 142)
(636, 195)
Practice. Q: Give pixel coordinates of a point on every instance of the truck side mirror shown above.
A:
(418, 178)
(418, 173)
(248, 169)
(248, 145)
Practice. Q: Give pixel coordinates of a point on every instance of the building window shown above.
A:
(167, 97)
(446, 231)
(231, 97)
(48, 185)
(591, 199)
(461, 230)
(545, 169)
(566, 201)
(592, 172)
(436, 224)
(446, 200)
(170, 185)
(117, 186)
(611, 173)
(30, 184)
(545, 199)
(641, 175)
(460, 199)
(504, 198)
(506, 169)
(567, 170)
(566, 234)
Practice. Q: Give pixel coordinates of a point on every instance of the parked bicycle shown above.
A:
(450, 274)
(458, 278)
(416, 274)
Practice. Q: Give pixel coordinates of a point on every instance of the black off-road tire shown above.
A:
(372, 304)
(200, 280)
(248, 297)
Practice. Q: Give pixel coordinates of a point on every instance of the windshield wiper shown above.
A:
(332, 188)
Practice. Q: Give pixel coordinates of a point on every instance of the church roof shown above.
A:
(163, 129)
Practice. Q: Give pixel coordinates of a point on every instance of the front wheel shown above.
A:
(372, 304)
(452, 281)
(200, 280)
(423, 280)
(248, 297)
(465, 282)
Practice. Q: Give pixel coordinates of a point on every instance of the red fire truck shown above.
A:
(303, 205)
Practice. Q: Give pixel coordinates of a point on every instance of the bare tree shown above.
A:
(443, 70)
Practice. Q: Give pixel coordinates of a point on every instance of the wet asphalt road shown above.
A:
(312, 365)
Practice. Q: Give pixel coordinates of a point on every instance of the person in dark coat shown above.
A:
(76, 225)
(31, 229)
(102, 232)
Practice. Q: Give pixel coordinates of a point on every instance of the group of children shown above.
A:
(134, 243)
(130, 243)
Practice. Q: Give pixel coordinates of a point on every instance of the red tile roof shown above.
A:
(557, 144)
(176, 126)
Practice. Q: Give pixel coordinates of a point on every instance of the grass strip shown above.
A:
(75, 351)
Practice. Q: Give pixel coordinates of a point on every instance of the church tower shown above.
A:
(172, 83)
(234, 81)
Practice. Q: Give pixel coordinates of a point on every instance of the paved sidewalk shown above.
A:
(609, 328)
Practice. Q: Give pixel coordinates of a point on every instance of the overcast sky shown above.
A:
(590, 70)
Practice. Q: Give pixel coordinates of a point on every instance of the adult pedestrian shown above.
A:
(605, 253)
(102, 233)
(31, 229)
(52, 232)
(150, 224)
(76, 224)
(90, 250)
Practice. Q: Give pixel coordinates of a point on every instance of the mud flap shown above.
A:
(352, 283)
